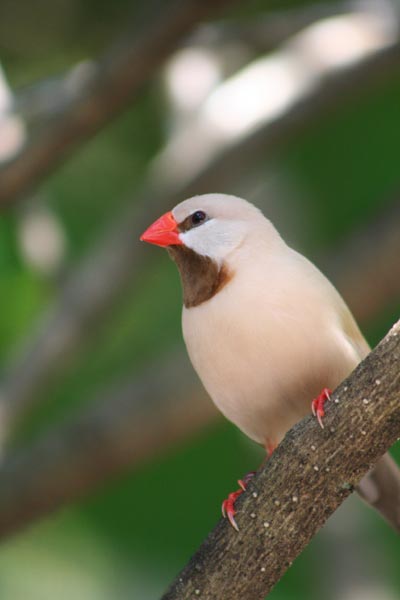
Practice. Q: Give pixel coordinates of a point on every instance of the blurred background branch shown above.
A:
(132, 423)
(50, 97)
(105, 90)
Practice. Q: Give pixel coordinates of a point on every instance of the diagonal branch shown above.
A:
(305, 481)
(110, 88)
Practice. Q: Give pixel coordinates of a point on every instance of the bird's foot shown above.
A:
(317, 405)
(270, 449)
(228, 505)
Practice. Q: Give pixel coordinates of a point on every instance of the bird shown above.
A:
(267, 333)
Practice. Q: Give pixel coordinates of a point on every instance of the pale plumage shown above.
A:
(256, 345)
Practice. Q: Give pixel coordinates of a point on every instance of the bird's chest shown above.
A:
(257, 360)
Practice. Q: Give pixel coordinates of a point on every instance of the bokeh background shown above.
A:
(114, 461)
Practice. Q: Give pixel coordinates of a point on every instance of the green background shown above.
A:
(131, 537)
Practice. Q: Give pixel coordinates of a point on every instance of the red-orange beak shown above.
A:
(163, 232)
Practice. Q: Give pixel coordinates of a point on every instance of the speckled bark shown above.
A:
(307, 478)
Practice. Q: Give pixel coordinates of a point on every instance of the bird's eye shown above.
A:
(198, 217)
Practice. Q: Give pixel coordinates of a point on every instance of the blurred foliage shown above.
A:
(130, 538)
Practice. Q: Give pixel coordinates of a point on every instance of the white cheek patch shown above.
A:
(213, 238)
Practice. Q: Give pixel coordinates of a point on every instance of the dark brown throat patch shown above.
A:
(201, 277)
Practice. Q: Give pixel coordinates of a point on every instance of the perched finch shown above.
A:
(267, 333)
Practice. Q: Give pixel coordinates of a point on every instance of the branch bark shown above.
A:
(307, 478)
(109, 89)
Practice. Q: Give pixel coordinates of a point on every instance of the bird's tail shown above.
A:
(380, 488)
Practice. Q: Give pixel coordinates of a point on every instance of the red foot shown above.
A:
(317, 405)
(228, 505)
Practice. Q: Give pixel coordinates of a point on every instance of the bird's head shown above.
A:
(211, 225)
(204, 235)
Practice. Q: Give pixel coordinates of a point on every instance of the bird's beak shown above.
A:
(163, 232)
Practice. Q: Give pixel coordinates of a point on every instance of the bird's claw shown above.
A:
(228, 508)
(317, 405)
(245, 481)
(228, 505)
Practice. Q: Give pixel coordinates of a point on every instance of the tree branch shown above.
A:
(110, 88)
(307, 478)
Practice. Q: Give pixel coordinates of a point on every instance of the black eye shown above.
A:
(198, 217)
